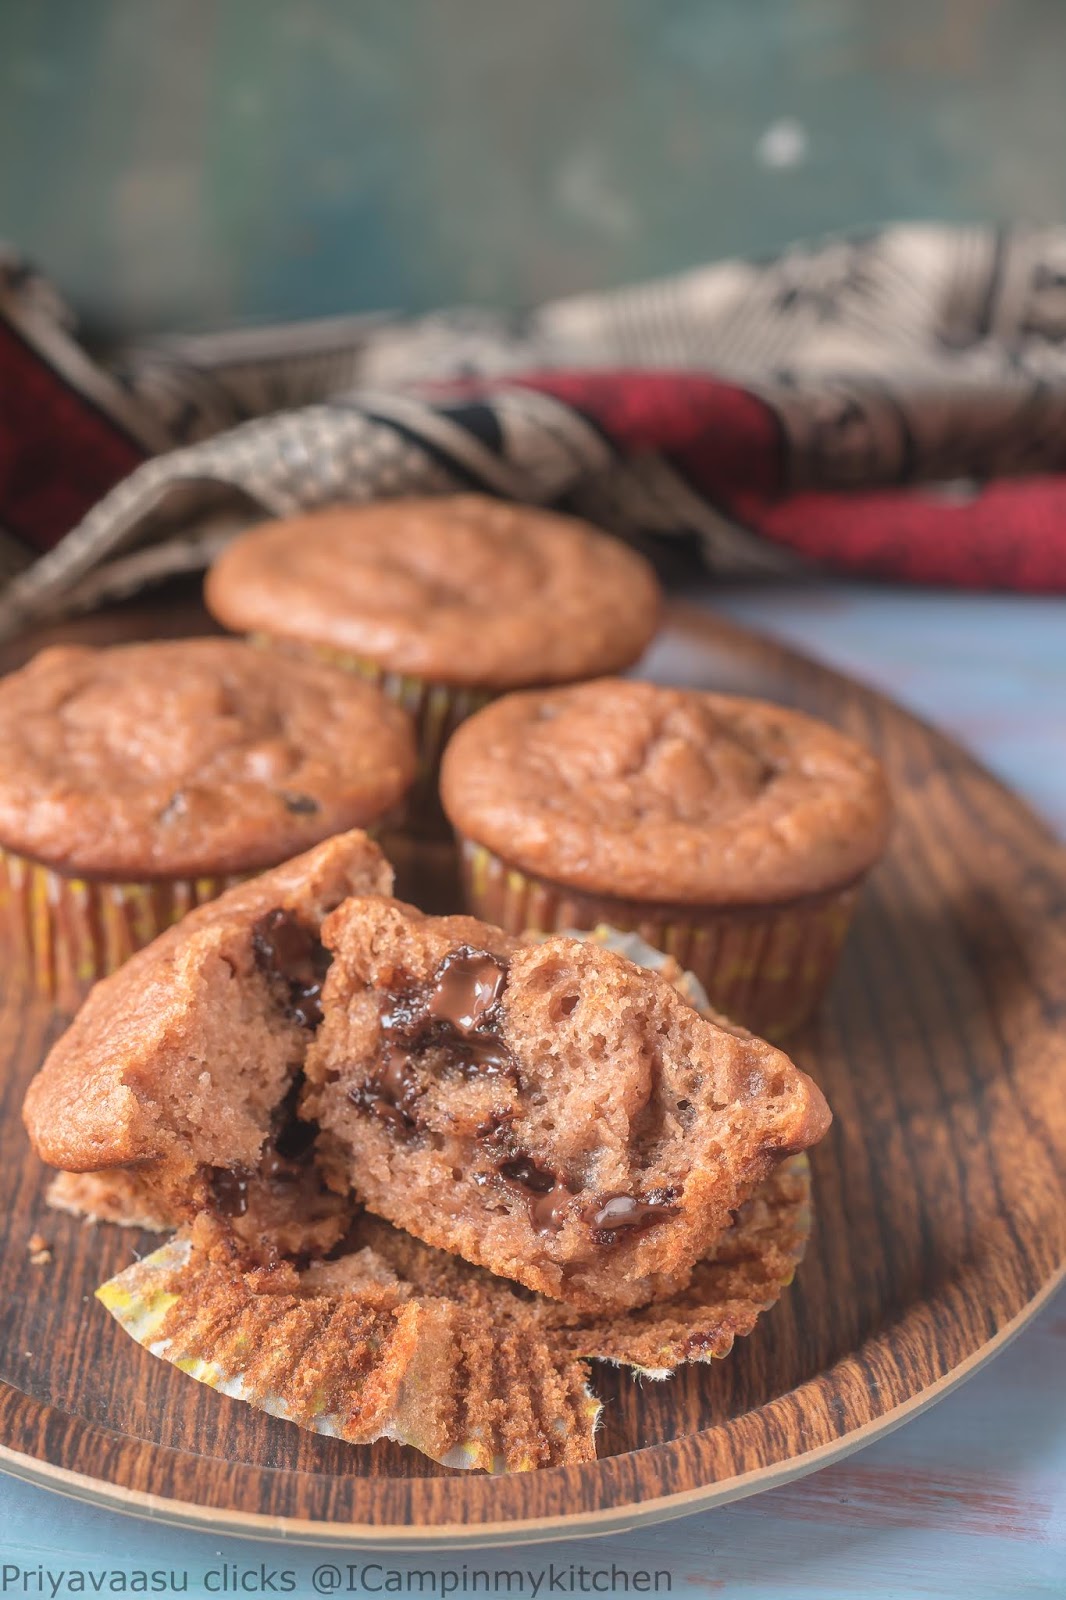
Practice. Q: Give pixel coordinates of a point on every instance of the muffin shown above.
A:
(139, 781)
(730, 833)
(125, 1195)
(168, 1068)
(444, 603)
(550, 1111)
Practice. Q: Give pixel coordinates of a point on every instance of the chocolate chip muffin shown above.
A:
(443, 602)
(552, 1111)
(138, 781)
(730, 833)
(181, 1065)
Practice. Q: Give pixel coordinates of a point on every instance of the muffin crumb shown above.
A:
(40, 1250)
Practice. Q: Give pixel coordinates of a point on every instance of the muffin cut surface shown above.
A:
(179, 1064)
(551, 1112)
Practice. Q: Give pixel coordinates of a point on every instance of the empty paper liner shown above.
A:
(396, 1340)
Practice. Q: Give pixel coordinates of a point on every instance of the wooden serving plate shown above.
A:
(939, 1206)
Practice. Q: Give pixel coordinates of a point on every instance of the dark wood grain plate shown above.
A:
(939, 1227)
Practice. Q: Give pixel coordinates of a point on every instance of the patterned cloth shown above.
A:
(888, 405)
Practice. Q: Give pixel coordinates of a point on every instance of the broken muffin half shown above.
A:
(182, 1068)
(550, 1111)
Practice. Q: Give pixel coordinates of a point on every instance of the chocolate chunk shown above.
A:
(468, 985)
(452, 1015)
(391, 1093)
(301, 805)
(611, 1214)
(290, 953)
(548, 1195)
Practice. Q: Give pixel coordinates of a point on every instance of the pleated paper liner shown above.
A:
(66, 932)
(396, 1340)
(765, 966)
(436, 710)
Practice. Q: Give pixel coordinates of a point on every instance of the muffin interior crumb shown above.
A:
(551, 1111)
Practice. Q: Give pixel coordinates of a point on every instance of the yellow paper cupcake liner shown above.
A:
(66, 932)
(765, 966)
(397, 1340)
(400, 1341)
(436, 710)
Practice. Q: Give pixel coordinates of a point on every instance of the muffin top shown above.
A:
(460, 589)
(190, 756)
(669, 795)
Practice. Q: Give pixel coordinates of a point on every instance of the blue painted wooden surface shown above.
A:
(967, 1502)
(185, 163)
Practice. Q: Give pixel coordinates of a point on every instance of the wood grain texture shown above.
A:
(939, 1205)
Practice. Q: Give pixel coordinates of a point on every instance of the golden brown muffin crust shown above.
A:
(190, 756)
(669, 795)
(461, 589)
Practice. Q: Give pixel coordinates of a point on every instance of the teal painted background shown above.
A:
(188, 163)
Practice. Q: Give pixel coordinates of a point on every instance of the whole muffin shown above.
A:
(139, 781)
(444, 602)
(730, 833)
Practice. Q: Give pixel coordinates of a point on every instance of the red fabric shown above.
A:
(1006, 534)
(58, 453)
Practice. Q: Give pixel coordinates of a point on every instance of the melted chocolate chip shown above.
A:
(276, 1168)
(474, 1056)
(391, 1093)
(547, 1193)
(548, 1211)
(496, 1128)
(611, 1214)
(455, 1015)
(290, 954)
(524, 1170)
(467, 987)
(301, 805)
(396, 1078)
